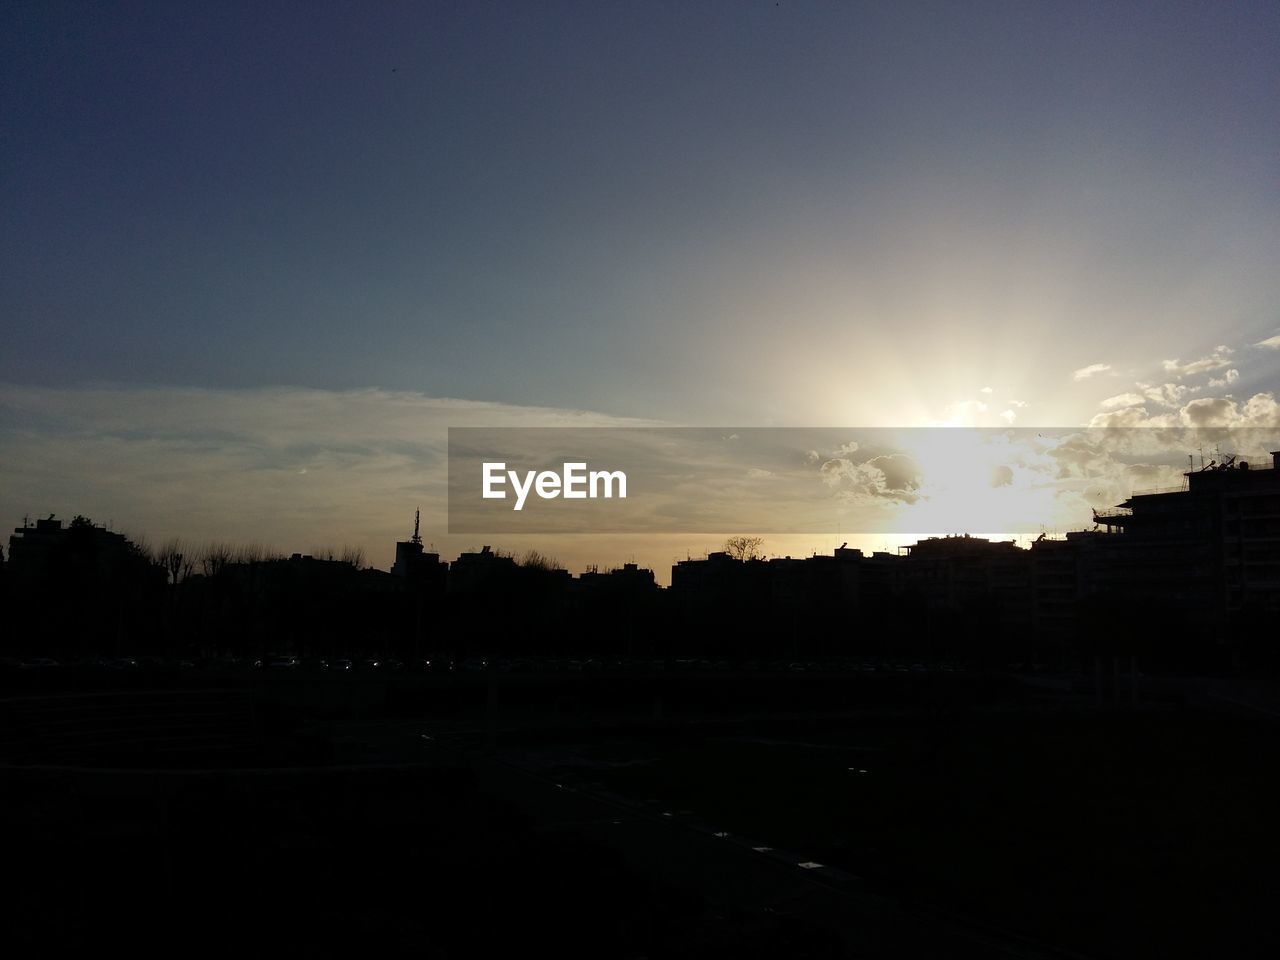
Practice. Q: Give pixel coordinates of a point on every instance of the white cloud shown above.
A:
(893, 477)
(1122, 400)
(986, 390)
(1165, 394)
(1220, 357)
(1084, 373)
(1260, 411)
(1272, 342)
(1129, 417)
(1009, 416)
(1231, 376)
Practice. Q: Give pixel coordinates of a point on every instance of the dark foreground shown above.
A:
(726, 816)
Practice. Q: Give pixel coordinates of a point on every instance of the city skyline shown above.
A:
(257, 264)
(744, 478)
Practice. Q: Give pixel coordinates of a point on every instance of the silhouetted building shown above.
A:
(412, 562)
(82, 588)
(1063, 572)
(475, 570)
(630, 579)
(32, 548)
(618, 607)
(950, 572)
(720, 581)
(1215, 545)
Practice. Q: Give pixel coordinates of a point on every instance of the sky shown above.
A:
(255, 239)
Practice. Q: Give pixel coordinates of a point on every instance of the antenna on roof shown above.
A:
(417, 515)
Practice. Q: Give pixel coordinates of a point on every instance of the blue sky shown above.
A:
(733, 213)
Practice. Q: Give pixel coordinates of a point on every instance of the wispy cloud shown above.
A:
(1084, 373)
(1216, 360)
(1122, 400)
(283, 466)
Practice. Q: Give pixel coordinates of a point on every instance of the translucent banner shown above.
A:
(811, 480)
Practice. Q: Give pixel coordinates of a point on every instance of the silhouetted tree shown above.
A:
(215, 556)
(534, 560)
(743, 548)
(173, 558)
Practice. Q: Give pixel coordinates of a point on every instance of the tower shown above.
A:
(409, 552)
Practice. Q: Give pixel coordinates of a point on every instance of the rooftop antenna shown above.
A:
(417, 515)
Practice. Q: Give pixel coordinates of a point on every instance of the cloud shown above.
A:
(1084, 373)
(279, 466)
(1165, 394)
(1258, 412)
(1271, 342)
(1230, 377)
(894, 477)
(1009, 416)
(1122, 400)
(1220, 357)
(755, 473)
(986, 390)
(1129, 417)
(845, 449)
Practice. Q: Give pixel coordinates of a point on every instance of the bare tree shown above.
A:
(535, 560)
(171, 556)
(251, 553)
(353, 556)
(744, 548)
(215, 556)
